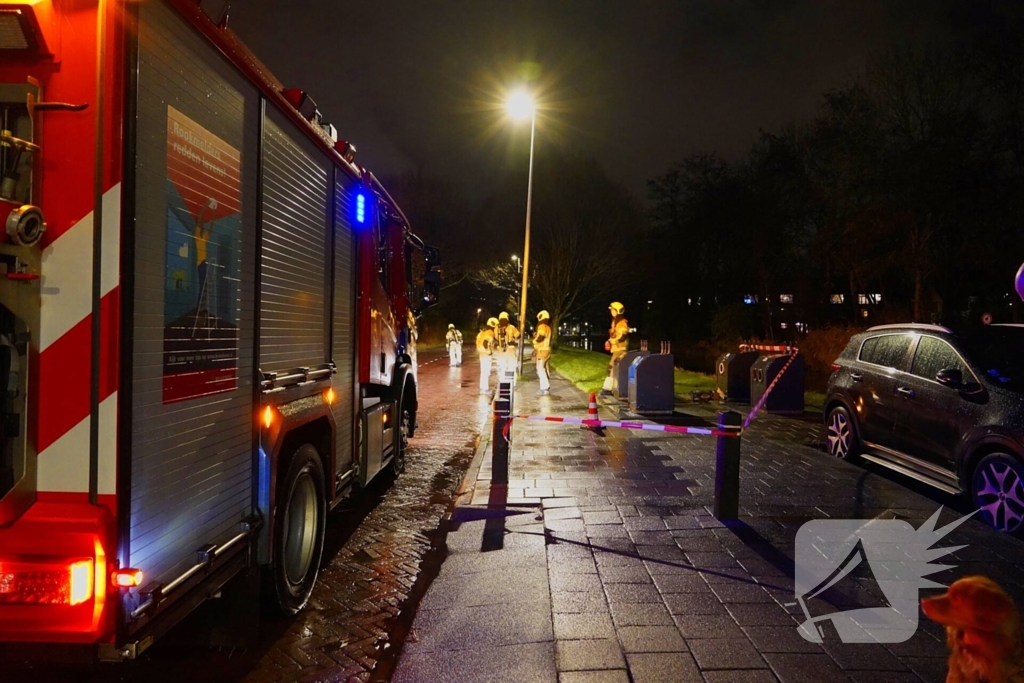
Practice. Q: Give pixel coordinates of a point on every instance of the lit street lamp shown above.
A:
(520, 105)
(478, 319)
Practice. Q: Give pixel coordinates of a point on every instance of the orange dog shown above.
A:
(982, 630)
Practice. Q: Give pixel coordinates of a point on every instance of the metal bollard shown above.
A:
(727, 468)
(499, 444)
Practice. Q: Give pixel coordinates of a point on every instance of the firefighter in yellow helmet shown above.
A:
(542, 351)
(506, 338)
(617, 344)
(454, 341)
(485, 348)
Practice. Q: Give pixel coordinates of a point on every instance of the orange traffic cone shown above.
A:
(592, 415)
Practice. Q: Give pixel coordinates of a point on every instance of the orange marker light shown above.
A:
(268, 417)
(127, 578)
(81, 582)
(329, 396)
(385, 418)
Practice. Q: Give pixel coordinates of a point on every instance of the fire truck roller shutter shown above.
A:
(343, 323)
(191, 266)
(296, 212)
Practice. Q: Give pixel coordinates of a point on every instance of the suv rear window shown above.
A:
(888, 350)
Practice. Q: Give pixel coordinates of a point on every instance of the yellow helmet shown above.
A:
(492, 322)
(503, 316)
(543, 315)
(616, 308)
(451, 326)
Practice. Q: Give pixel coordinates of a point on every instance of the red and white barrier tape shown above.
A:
(703, 431)
(770, 349)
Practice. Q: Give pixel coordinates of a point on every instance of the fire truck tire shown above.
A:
(300, 519)
(398, 462)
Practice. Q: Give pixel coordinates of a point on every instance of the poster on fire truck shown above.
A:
(204, 222)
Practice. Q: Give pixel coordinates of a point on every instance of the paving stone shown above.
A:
(682, 582)
(484, 626)
(576, 582)
(806, 668)
(740, 676)
(745, 593)
(663, 668)
(886, 677)
(609, 676)
(693, 603)
(636, 573)
(583, 626)
(725, 653)
(776, 639)
(589, 655)
(640, 614)
(576, 602)
(707, 626)
(650, 639)
(498, 665)
(867, 656)
(761, 615)
(632, 592)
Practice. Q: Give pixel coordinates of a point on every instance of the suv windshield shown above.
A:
(997, 352)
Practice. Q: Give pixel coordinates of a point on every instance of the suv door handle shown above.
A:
(856, 376)
(907, 392)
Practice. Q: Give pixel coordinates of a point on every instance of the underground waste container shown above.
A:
(787, 398)
(732, 375)
(651, 385)
(621, 377)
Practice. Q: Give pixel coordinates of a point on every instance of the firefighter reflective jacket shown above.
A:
(506, 337)
(618, 335)
(542, 337)
(453, 336)
(485, 341)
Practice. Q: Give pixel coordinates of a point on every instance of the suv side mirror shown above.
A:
(950, 377)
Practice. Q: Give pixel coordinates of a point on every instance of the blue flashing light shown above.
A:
(360, 208)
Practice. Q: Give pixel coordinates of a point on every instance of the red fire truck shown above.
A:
(207, 322)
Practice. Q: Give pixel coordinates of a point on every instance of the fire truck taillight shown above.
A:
(127, 578)
(268, 417)
(46, 582)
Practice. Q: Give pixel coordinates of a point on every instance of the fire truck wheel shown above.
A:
(398, 462)
(299, 530)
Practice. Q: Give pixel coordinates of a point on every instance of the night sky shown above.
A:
(639, 85)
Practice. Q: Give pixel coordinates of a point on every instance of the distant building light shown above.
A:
(785, 298)
(837, 298)
(783, 325)
(750, 299)
(863, 312)
(877, 298)
(863, 299)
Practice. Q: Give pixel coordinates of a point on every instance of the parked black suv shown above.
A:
(944, 407)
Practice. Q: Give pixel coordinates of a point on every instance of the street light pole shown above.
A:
(526, 243)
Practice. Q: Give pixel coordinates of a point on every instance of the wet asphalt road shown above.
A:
(380, 552)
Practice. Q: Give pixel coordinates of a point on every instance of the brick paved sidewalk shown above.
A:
(600, 562)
